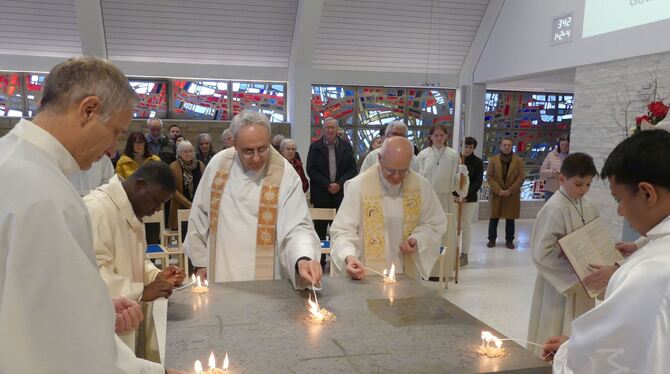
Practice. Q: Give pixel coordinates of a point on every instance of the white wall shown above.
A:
(519, 44)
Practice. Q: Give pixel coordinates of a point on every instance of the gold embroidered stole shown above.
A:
(267, 212)
(373, 218)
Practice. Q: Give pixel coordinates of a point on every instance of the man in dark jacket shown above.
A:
(160, 144)
(330, 163)
(475, 167)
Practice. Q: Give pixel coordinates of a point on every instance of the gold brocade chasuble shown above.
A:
(267, 212)
(373, 218)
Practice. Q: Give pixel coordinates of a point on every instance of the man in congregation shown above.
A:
(628, 332)
(116, 210)
(249, 219)
(227, 138)
(389, 215)
(56, 315)
(395, 128)
(160, 144)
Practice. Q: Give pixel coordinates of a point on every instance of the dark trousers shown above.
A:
(509, 229)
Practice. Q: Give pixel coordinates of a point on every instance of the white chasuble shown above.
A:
(629, 332)
(119, 243)
(376, 217)
(262, 226)
(559, 296)
(56, 315)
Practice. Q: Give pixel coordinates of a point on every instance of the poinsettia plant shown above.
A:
(656, 112)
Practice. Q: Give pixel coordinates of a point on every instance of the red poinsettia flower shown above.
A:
(638, 120)
(658, 110)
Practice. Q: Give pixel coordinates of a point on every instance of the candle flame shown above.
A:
(488, 338)
(193, 278)
(197, 282)
(225, 362)
(314, 309)
(206, 283)
(197, 367)
(212, 361)
(392, 272)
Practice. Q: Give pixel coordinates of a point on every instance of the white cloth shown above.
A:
(347, 228)
(441, 168)
(559, 296)
(469, 211)
(630, 330)
(86, 180)
(372, 159)
(56, 315)
(120, 245)
(238, 218)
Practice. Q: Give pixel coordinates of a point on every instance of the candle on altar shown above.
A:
(197, 366)
(318, 314)
(491, 350)
(390, 278)
(198, 286)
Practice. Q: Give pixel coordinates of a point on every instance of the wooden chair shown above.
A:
(182, 219)
(323, 214)
(157, 250)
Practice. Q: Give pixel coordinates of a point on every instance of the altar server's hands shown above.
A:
(355, 268)
(310, 270)
(128, 314)
(408, 246)
(551, 347)
(172, 274)
(157, 289)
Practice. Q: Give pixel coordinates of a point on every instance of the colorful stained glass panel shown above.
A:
(152, 98)
(11, 101)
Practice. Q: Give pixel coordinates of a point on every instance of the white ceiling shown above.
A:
(417, 36)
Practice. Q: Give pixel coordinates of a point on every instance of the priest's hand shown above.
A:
(551, 346)
(128, 314)
(599, 277)
(310, 270)
(626, 248)
(355, 268)
(408, 246)
(172, 274)
(157, 289)
(334, 188)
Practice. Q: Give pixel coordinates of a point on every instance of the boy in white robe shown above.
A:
(629, 331)
(116, 210)
(249, 219)
(403, 219)
(559, 296)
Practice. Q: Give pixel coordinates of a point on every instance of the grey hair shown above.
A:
(77, 78)
(183, 145)
(278, 138)
(202, 137)
(330, 119)
(149, 120)
(284, 143)
(247, 118)
(225, 134)
(397, 124)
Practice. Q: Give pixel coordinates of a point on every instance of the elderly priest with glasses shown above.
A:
(389, 215)
(249, 219)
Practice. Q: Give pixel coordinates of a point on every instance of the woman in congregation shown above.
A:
(288, 148)
(136, 153)
(551, 166)
(187, 172)
(205, 150)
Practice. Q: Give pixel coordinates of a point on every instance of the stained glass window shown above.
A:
(363, 111)
(11, 101)
(206, 100)
(34, 85)
(266, 98)
(533, 120)
(152, 98)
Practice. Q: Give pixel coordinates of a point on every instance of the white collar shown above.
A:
(660, 230)
(46, 142)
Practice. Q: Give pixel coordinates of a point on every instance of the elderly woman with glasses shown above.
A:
(288, 148)
(187, 171)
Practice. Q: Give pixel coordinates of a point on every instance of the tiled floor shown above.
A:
(497, 285)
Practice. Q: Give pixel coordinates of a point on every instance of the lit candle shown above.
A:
(198, 287)
(489, 351)
(390, 278)
(197, 367)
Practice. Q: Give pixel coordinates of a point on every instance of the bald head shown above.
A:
(395, 158)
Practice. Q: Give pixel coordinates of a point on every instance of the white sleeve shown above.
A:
(432, 225)
(197, 236)
(344, 231)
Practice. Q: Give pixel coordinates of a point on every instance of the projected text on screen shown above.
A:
(603, 16)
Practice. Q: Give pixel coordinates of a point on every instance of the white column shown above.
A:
(91, 30)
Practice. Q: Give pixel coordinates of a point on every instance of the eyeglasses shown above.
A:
(389, 172)
(250, 153)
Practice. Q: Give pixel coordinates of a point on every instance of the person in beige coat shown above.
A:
(505, 175)
(116, 211)
(187, 171)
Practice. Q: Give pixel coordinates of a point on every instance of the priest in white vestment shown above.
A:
(629, 332)
(100, 172)
(249, 219)
(559, 296)
(116, 210)
(395, 128)
(389, 215)
(442, 166)
(56, 315)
